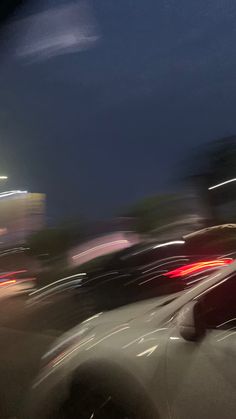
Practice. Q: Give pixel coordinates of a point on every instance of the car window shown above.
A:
(220, 306)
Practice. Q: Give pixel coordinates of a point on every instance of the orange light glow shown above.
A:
(10, 281)
(197, 267)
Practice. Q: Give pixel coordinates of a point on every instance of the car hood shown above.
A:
(131, 311)
(136, 314)
(141, 311)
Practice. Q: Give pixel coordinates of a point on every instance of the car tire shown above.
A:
(110, 394)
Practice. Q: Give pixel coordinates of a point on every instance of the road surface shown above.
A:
(20, 351)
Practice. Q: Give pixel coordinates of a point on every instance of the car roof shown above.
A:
(196, 238)
(144, 246)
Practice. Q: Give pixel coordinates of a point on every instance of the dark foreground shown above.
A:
(21, 347)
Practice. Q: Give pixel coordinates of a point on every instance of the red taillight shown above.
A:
(197, 267)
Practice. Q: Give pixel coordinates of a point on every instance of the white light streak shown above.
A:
(3, 177)
(148, 351)
(93, 317)
(169, 243)
(55, 283)
(140, 338)
(227, 336)
(221, 184)
(107, 336)
(10, 193)
(100, 246)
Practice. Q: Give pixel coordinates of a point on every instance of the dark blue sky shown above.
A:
(97, 130)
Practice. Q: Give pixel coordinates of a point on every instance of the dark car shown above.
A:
(151, 269)
(143, 271)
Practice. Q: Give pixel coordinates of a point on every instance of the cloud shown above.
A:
(56, 31)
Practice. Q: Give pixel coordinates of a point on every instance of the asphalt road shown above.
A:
(26, 332)
(21, 348)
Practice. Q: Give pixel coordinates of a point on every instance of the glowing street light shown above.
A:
(3, 177)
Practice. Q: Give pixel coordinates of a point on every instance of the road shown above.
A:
(26, 332)
(20, 353)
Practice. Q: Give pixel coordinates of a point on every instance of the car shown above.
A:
(140, 272)
(68, 301)
(146, 270)
(169, 357)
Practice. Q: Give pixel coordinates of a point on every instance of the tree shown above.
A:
(49, 242)
(154, 211)
(52, 242)
(211, 165)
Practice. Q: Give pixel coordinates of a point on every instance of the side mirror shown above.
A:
(190, 321)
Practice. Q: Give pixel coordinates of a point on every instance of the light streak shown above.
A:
(10, 193)
(148, 352)
(197, 267)
(221, 184)
(169, 243)
(12, 273)
(10, 281)
(100, 246)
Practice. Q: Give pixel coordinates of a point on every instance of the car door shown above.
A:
(201, 376)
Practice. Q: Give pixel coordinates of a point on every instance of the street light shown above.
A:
(3, 177)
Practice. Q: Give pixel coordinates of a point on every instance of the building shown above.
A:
(21, 214)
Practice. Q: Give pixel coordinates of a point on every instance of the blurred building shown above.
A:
(21, 214)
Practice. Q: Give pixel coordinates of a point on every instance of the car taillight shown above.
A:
(197, 267)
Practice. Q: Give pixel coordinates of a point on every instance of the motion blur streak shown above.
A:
(197, 267)
(222, 184)
(56, 283)
(169, 243)
(107, 336)
(148, 352)
(12, 273)
(92, 317)
(9, 282)
(64, 29)
(72, 276)
(100, 246)
(9, 193)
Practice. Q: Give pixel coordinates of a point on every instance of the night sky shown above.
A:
(100, 128)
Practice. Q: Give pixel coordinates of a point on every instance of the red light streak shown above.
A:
(12, 273)
(197, 267)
